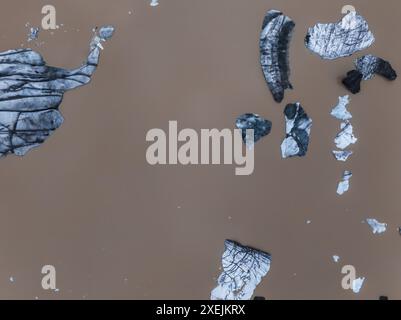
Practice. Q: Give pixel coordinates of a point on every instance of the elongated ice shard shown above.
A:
(298, 129)
(366, 68)
(274, 52)
(250, 121)
(341, 39)
(243, 270)
(31, 93)
(343, 185)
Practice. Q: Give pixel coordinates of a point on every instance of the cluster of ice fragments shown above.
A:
(243, 270)
(343, 140)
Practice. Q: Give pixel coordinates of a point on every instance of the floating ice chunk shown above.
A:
(243, 270)
(342, 155)
(357, 285)
(250, 121)
(154, 3)
(343, 186)
(376, 226)
(340, 111)
(274, 52)
(342, 39)
(336, 258)
(346, 136)
(298, 129)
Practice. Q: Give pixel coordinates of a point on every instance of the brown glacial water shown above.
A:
(88, 203)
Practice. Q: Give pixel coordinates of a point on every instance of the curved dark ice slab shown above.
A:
(243, 269)
(274, 52)
(31, 93)
(366, 68)
(341, 39)
(250, 121)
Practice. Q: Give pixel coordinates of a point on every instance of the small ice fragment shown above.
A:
(33, 34)
(346, 136)
(308, 222)
(12, 279)
(342, 155)
(376, 226)
(357, 285)
(343, 186)
(336, 258)
(106, 32)
(340, 111)
(154, 3)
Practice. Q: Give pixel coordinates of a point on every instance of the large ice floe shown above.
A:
(31, 93)
(341, 39)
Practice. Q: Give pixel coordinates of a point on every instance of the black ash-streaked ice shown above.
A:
(366, 68)
(274, 45)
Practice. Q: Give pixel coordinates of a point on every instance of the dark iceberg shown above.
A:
(366, 68)
(243, 269)
(274, 57)
(250, 121)
(298, 128)
(342, 39)
(31, 93)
